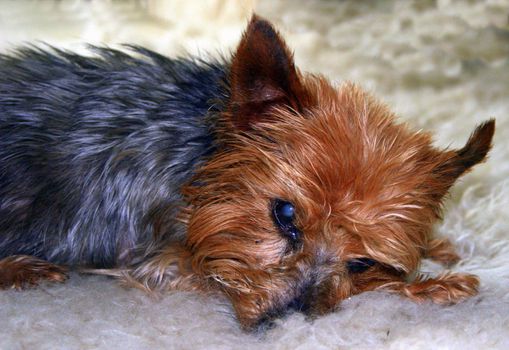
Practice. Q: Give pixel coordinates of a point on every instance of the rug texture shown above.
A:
(443, 65)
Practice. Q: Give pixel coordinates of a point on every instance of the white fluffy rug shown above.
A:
(442, 64)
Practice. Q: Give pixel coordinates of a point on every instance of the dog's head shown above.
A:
(315, 193)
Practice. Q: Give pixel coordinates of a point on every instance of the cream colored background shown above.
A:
(442, 65)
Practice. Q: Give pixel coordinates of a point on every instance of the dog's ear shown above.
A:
(262, 76)
(457, 162)
(475, 151)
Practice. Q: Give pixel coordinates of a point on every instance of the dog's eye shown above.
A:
(283, 214)
(359, 265)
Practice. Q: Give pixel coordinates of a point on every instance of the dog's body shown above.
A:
(86, 165)
(242, 176)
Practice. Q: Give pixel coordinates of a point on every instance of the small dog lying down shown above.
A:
(243, 176)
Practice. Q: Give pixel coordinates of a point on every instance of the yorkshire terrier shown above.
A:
(243, 176)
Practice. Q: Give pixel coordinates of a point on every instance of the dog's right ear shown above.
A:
(262, 76)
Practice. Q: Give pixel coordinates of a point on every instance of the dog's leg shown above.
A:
(167, 270)
(442, 251)
(23, 271)
(448, 288)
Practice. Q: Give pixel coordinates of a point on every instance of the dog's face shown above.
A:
(316, 193)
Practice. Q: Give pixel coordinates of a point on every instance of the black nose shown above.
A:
(302, 302)
(266, 321)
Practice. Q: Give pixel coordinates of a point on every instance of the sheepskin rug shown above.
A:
(443, 65)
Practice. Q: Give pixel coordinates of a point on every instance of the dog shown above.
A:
(241, 176)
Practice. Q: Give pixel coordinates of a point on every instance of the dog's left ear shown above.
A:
(262, 76)
(458, 162)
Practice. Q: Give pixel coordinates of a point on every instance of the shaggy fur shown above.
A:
(102, 178)
(87, 166)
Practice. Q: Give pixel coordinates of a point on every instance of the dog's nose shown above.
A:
(301, 303)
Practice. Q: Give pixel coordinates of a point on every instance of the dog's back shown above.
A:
(92, 148)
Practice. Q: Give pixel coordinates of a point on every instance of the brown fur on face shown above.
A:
(362, 186)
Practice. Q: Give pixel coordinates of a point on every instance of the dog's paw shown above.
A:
(449, 288)
(442, 251)
(24, 271)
